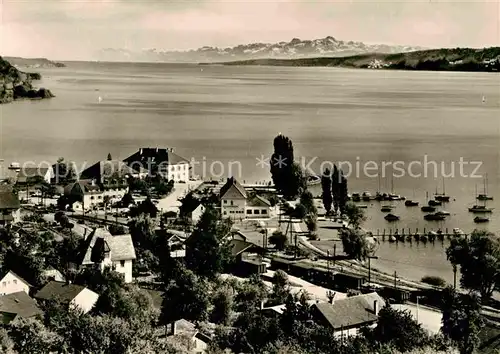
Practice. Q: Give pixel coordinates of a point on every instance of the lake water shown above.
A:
(227, 114)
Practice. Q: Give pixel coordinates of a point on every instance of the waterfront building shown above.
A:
(86, 192)
(164, 162)
(236, 203)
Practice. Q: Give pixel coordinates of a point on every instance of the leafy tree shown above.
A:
(399, 329)
(279, 240)
(185, 297)
(251, 293)
(312, 224)
(64, 172)
(147, 207)
(142, 231)
(307, 201)
(479, 259)
(355, 215)
(281, 287)
(461, 320)
(326, 187)
(127, 199)
(355, 244)
(207, 250)
(287, 176)
(339, 190)
(223, 302)
(30, 336)
(433, 280)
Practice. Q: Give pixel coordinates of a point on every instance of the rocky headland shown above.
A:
(17, 85)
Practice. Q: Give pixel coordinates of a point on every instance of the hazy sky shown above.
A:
(60, 29)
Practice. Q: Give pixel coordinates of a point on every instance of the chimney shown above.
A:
(375, 307)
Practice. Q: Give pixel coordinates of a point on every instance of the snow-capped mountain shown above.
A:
(296, 48)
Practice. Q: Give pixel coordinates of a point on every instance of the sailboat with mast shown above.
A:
(480, 208)
(428, 208)
(442, 197)
(393, 196)
(485, 195)
(411, 202)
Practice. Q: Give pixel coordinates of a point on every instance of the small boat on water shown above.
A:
(458, 232)
(435, 202)
(443, 212)
(366, 196)
(434, 217)
(386, 208)
(409, 238)
(356, 197)
(481, 219)
(362, 206)
(391, 217)
(410, 203)
(480, 209)
(392, 239)
(484, 197)
(428, 208)
(423, 238)
(442, 197)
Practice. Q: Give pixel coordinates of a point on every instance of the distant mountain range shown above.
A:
(296, 48)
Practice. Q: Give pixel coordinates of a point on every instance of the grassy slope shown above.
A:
(434, 59)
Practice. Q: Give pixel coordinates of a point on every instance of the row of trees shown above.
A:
(334, 191)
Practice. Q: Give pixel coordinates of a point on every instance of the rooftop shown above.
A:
(156, 156)
(258, 201)
(55, 290)
(121, 246)
(19, 304)
(4, 273)
(351, 311)
(232, 190)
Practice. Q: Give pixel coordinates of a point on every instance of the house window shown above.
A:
(225, 212)
(92, 198)
(4, 284)
(225, 201)
(249, 211)
(232, 202)
(256, 211)
(263, 212)
(122, 264)
(15, 281)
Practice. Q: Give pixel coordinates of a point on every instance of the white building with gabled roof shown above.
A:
(236, 203)
(117, 252)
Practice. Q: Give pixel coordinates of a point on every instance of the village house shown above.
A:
(87, 192)
(76, 296)
(237, 204)
(109, 251)
(248, 257)
(195, 213)
(17, 305)
(176, 241)
(197, 341)
(164, 162)
(10, 207)
(11, 283)
(346, 316)
(51, 273)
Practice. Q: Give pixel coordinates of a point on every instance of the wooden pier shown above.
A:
(424, 235)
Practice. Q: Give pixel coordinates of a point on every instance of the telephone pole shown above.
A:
(370, 268)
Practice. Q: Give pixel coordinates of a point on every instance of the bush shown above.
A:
(433, 280)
